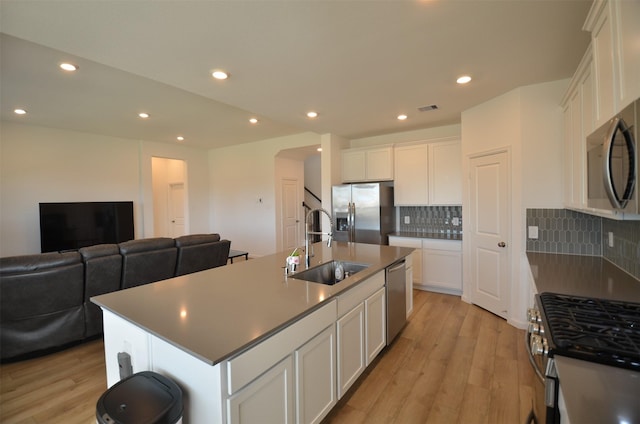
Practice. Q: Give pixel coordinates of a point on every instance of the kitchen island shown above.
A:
(231, 334)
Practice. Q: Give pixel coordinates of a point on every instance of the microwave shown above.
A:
(612, 163)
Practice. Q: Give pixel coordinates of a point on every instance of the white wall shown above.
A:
(239, 177)
(39, 164)
(527, 122)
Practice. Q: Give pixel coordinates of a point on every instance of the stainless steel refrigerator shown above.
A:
(363, 212)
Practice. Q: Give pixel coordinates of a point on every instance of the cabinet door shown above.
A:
(604, 56)
(379, 164)
(351, 358)
(269, 399)
(445, 173)
(315, 377)
(629, 31)
(375, 322)
(442, 271)
(409, 289)
(354, 165)
(411, 184)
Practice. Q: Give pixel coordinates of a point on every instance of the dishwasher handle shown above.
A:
(396, 267)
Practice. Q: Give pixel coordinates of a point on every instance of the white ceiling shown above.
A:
(357, 63)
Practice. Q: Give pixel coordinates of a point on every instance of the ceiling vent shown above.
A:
(428, 108)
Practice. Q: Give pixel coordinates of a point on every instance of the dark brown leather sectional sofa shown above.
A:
(45, 298)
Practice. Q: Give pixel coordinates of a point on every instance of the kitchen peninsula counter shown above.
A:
(218, 313)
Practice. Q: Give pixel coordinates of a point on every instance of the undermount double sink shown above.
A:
(326, 273)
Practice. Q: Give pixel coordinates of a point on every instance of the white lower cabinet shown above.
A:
(442, 266)
(268, 399)
(351, 362)
(316, 377)
(361, 329)
(409, 284)
(375, 324)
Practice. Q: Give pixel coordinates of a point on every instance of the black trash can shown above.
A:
(142, 398)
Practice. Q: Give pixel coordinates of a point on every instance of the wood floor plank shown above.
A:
(453, 362)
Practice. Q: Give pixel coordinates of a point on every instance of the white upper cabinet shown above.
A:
(428, 174)
(445, 173)
(411, 183)
(578, 123)
(615, 30)
(364, 164)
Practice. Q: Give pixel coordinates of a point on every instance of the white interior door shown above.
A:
(489, 232)
(176, 209)
(290, 214)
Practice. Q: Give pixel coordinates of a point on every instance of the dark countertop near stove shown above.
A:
(593, 393)
(590, 276)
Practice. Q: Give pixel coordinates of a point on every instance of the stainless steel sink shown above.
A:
(326, 273)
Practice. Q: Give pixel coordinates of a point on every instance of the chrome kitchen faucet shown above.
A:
(307, 233)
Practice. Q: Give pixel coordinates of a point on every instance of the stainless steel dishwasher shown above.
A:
(396, 299)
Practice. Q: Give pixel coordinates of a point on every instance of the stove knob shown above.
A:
(539, 346)
(533, 315)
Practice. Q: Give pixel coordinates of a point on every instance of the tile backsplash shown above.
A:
(431, 219)
(570, 232)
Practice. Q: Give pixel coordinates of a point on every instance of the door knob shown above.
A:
(502, 244)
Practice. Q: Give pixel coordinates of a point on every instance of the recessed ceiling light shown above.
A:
(220, 75)
(20, 111)
(143, 115)
(180, 138)
(312, 114)
(402, 117)
(319, 149)
(253, 120)
(463, 79)
(68, 67)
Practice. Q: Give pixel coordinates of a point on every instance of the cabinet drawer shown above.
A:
(405, 242)
(247, 366)
(359, 293)
(435, 244)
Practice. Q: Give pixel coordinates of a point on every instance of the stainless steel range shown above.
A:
(596, 330)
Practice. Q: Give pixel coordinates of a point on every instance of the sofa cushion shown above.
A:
(41, 302)
(192, 239)
(102, 274)
(198, 257)
(147, 260)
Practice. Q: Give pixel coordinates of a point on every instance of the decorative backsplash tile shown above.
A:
(570, 232)
(431, 219)
(625, 252)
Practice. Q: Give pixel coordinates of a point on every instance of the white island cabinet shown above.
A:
(255, 386)
(361, 329)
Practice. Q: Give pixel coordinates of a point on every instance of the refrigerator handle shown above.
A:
(352, 236)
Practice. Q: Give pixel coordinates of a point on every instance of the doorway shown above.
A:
(170, 201)
(489, 231)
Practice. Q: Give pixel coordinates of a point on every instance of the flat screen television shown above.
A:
(70, 226)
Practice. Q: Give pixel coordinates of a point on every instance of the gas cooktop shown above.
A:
(596, 330)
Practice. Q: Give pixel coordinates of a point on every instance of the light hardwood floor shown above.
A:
(452, 363)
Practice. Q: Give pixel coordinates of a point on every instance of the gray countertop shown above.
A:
(217, 313)
(590, 276)
(593, 393)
